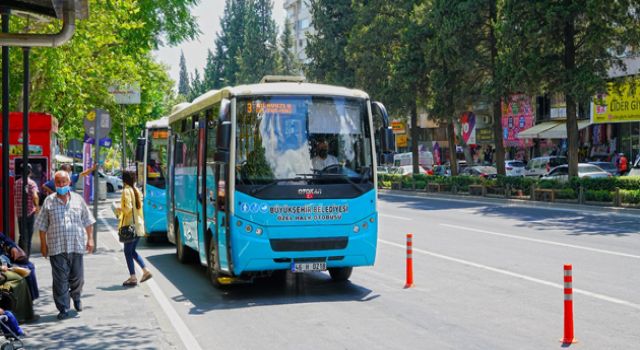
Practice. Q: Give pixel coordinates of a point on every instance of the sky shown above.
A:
(208, 14)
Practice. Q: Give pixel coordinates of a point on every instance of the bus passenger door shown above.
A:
(222, 234)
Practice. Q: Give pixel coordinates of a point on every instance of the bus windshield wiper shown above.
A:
(273, 183)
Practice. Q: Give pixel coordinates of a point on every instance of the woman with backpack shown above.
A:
(131, 215)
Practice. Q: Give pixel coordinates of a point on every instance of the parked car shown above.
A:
(541, 166)
(514, 167)
(585, 170)
(608, 167)
(113, 182)
(406, 170)
(488, 172)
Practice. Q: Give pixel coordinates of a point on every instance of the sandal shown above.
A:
(130, 282)
(145, 276)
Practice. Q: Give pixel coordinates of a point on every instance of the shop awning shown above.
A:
(551, 130)
(560, 131)
(534, 131)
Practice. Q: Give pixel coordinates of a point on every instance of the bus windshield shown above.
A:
(157, 158)
(299, 139)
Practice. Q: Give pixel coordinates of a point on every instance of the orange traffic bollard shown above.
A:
(409, 282)
(568, 306)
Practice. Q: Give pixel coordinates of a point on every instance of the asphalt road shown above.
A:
(487, 276)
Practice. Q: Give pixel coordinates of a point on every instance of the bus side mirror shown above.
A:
(381, 117)
(140, 149)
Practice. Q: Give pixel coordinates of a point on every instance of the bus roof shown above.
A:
(211, 97)
(158, 123)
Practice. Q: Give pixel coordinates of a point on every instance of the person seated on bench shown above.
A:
(17, 259)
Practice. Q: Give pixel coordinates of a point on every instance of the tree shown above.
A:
(258, 56)
(289, 64)
(384, 50)
(567, 47)
(213, 70)
(231, 38)
(183, 85)
(333, 21)
(454, 78)
(70, 80)
(197, 86)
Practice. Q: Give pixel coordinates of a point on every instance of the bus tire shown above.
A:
(212, 273)
(184, 254)
(110, 188)
(340, 274)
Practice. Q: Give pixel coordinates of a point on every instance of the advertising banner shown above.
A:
(466, 128)
(484, 135)
(88, 183)
(398, 127)
(517, 115)
(617, 105)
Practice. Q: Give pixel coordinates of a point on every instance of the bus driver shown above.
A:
(323, 159)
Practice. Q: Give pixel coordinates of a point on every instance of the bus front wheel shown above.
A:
(212, 273)
(340, 274)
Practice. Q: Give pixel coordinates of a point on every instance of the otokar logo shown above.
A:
(309, 191)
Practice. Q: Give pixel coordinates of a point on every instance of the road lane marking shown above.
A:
(542, 241)
(511, 204)
(395, 217)
(517, 275)
(188, 340)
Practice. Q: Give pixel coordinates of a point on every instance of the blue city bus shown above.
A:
(274, 177)
(152, 172)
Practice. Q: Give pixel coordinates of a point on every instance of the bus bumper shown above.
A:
(276, 248)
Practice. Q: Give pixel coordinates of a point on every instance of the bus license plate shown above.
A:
(309, 266)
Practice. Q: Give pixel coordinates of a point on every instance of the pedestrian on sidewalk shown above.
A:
(66, 233)
(26, 226)
(131, 215)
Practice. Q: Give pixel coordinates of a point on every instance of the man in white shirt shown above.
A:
(323, 159)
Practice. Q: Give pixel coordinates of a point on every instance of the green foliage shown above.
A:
(332, 20)
(289, 63)
(630, 196)
(259, 50)
(112, 46)
(565, 193)
(598, 195)
(184, 87)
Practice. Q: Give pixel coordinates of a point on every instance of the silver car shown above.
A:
(585, 170)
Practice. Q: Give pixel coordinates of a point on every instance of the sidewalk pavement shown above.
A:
(113, 317)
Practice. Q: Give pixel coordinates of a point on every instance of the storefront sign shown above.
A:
(617, 105)
(397, 127)
(517, 115)
(484, 135)
(402, 140)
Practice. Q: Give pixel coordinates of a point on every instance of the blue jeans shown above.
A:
(130, 254)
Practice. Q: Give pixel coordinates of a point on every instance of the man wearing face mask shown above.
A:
(323, 159)
(66, 233)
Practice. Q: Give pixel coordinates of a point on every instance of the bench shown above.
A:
(546, 194)
(477, 190)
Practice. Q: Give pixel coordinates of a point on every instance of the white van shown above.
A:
(538, 167)
(425, 159)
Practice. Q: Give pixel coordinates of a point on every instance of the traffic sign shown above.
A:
(126, 94)
(104, 123)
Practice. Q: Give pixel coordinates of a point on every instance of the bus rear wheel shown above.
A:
(184, 254)
(212, 272)
(340, 274)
